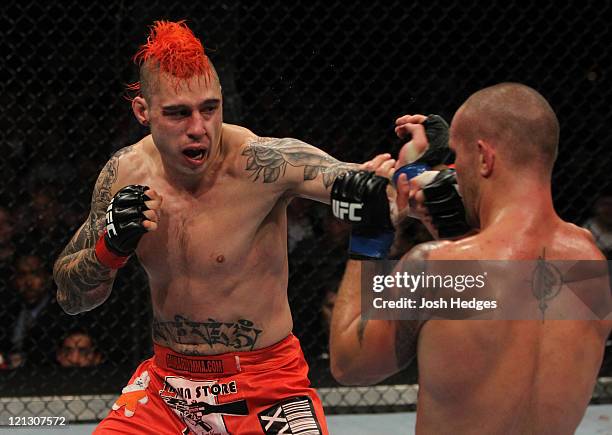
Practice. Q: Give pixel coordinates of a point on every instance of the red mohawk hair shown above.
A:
(175, 50)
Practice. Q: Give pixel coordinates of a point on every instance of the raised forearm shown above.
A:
(367, 351)
(82, 282)
(347, 326)
(360, 349)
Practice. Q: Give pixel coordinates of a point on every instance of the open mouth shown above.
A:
(195, 154)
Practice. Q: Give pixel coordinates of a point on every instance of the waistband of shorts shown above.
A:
(266, 358)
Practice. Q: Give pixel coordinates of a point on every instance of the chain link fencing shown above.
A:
(335, 75)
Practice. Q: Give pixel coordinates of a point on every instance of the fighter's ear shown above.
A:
(486, 158)
(141, 110)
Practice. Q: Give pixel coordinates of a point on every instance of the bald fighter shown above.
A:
(478, 376)
(202, 204)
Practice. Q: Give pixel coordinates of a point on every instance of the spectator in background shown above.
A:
(44, 219)
(78, 349)
(600, 224)
(36, 315)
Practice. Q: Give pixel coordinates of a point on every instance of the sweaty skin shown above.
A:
(489, 376)
(216, 250)
(537, 376)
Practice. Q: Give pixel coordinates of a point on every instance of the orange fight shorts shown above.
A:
(265, 391)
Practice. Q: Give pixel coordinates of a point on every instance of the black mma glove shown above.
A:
(438, 152)
(360, 198)
(124, 217)
(445, 205)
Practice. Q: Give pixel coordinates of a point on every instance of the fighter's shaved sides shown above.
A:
(516, 119)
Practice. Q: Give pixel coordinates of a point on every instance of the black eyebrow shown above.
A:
(174, 107)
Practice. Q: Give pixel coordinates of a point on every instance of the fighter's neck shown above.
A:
(525, 203)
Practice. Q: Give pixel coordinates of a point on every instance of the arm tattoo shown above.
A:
(82, 281)
(268, 158)
(239, 335)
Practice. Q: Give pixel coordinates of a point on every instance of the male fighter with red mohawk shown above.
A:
(202, 204)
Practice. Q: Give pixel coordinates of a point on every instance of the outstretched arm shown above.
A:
(304, 169)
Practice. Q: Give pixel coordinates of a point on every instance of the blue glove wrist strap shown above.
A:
(411, 170)
(372, 247)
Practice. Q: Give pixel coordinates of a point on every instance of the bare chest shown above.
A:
(208, 235)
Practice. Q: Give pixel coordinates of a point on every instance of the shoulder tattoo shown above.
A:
(102, 194)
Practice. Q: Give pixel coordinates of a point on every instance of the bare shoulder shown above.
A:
(236, 136)
(258, 144)
(136, 154)
(580, 242)
(429, 250)
(235, 140)
(580, 232)
(130, 164)
(463, 249)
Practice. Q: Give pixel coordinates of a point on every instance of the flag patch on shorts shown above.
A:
(292, 416)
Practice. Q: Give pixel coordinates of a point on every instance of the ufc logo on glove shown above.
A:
(110, 226)
(344, 210)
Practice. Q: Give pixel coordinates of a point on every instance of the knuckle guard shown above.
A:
(124, 219)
